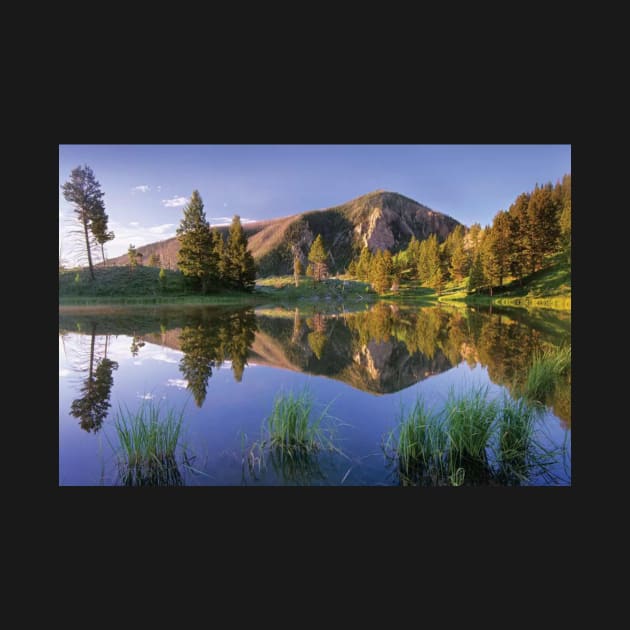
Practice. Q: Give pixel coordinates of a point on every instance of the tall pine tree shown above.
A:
(476, 279)
(84, 191)
(196, 258)
(239, 263)
(318, 256)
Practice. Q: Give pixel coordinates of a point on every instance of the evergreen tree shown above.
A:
(519, 253)
(84, 191)
(543, 226)
(423, 272)
(381, 271)
(99, 229)
(218, 250)
(489, 258)
(363, 265)
(453, 244)
(413, 256)
(132, 252)
(298, 269)
(499, 246)
(460, 260)
(474, 238)
(162, 279)
(317, 256)
(195, 258)
(476, 279)
(239, 263)
(430, 272)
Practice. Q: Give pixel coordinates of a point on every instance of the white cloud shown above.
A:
(175, 202)
(146, 396)
(63, 372)
(159, 188)
(227, 220)
(144, 188)
(180, 383)
(138, 234)
(161, 229)
(225, 204)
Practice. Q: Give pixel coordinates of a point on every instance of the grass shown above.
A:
(292, 438)
(120, 285)
(290, 427)
(283, 289)
(147, 445)
(515, 429)
(469, 420)
(547, 367)
(473, 440)
(419, 443)
(547, 288)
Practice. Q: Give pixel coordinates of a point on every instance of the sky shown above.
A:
(146, 186)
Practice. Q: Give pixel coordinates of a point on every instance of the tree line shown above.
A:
(517, 243)
(206, 258)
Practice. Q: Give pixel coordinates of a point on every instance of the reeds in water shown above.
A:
(148, 439)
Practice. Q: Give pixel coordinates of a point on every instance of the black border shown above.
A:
(428, 524)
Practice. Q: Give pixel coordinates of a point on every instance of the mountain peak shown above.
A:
(380, 219)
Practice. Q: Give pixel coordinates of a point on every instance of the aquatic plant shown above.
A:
(546, 368)
(148, 439)
(290, 426)
(473, 440)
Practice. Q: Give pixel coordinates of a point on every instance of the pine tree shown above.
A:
(218, 250)
(543, 226)
(84, 191)
(298, 269)
(195, 258)
(430, 272)
(133, 256)
(162, 279)
(459, 260)
(363, 265)
(489, 259)
(519, 254)
(476, 279)
(381, 271)
(99, 229)
(500, 245)
(317, 256)
(239, 263)
(413, 256)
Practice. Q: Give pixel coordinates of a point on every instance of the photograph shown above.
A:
(315, 315)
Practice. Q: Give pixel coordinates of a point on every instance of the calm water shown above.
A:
(226, 366)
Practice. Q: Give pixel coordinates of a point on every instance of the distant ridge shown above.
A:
(380, 219)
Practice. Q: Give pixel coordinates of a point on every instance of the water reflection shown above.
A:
(381, 350)
(207, 342)
(93, 404)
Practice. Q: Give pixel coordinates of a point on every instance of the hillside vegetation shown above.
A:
(377, 220)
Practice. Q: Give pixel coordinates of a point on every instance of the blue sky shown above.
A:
(146, 186)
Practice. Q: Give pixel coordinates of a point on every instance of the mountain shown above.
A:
(380, 220)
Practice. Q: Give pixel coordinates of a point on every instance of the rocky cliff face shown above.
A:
(378, 220)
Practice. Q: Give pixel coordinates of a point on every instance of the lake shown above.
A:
(223, 369)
